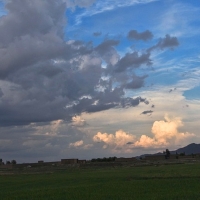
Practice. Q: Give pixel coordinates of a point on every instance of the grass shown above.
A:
(150, 182)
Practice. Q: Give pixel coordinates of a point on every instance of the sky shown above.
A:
(92, 78)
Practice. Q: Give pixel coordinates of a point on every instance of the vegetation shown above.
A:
(110, 159)
(13, 162)
(180, 181)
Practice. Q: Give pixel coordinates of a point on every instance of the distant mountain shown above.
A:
(189, 149)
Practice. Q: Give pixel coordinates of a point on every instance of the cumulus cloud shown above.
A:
(167, 131)
(165, 134)
(78, 121)
(119, 139)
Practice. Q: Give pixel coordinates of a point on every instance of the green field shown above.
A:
(180, 181)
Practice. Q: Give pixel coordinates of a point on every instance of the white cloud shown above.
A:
(76, 144)
(78, 121)
(119, 139)
(103, 6)
(88, 146)
(178, 19)
(165, 134)
(51, 129)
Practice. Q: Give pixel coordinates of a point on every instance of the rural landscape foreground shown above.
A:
(148, 177)
(153, 181)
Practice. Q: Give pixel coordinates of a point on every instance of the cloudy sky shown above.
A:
(93, 78)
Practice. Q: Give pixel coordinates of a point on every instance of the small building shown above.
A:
(40, 161)
(69, 161)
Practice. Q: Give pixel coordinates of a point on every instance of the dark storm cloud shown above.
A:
(147, 112)
(108, 53)
(100, 107)
(129, 102)
(44, 78)
(105, 46)
(146, 35)
(30, 18)
(133, 60)
(136, 82)
(129, 143)
(167, 42)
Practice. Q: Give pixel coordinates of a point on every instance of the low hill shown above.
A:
(189, 149)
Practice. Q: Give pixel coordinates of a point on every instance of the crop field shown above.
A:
(180, 181)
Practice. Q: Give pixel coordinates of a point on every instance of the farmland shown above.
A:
(166, 181)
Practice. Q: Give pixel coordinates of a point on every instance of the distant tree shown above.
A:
(182, 154)
(7, 162)
(176, 155)
(1, 162)
(167, 154)
(109, 159)
(13, 162)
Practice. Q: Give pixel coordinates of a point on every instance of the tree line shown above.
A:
(109, 159)
(12, 162)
